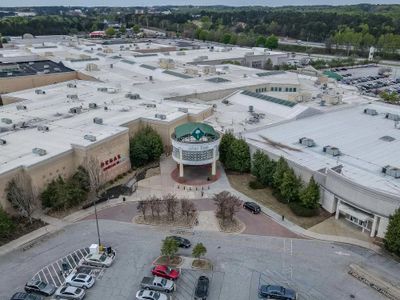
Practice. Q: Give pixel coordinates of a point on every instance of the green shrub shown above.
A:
(302, 211)
(392, 240)
(256, 185)
(145, 147)
(7, 226)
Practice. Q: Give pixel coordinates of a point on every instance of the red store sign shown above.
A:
(111, 162)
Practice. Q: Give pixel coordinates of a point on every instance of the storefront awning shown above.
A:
(354, 212)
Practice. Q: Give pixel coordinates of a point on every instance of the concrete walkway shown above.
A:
(207, 221)
(160, 185)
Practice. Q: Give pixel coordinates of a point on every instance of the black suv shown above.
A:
(182, 242)
(253, 207)
(201, 292)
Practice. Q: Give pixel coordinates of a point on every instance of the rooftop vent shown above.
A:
(217, 80)
(40, 92)
(2, 142)
(43, 128)
(307, 142)
(75, 110)
(21, 107)
(89, 137)
(251, 108)
(183, 109)
(387, 138)
(71, 85)
(39, 151)
(92, 105)
(160, 116)
(394, 117)
(6, 120)
(72, 96)
(98, 120)
(334, 151)
(371, 112)
(132, 96)
(391, 171)
(151, 105)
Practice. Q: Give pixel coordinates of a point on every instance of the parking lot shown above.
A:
(370, 79)
(241, 263)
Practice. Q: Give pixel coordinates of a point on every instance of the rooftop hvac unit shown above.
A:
(21, 107)
(6, 120)
(391, 171)
(39, 151)
(161, 116)
(98, 120)
(40, 92)
(105, 108)
(89, 137)
(334, 151)
(132, 96)
(151, 105)
(2, 142)
(75, 110)
(371, 112)
(151, 78)
(92, 105)
(43, 128)
(46, 71)
(71, 85)
(183, 109)
(251, 108)
(72, 96)
(307, 142)
(102, 89)
(394, 117)
(46, 66)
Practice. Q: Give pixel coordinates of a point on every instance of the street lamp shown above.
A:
(97, 220)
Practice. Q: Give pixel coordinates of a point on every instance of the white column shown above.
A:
(214, 168)
(373, 228)
(337, 210)
(181, 170)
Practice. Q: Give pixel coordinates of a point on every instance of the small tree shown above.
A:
(122, 29)
(187, 208)
(142, 207)
(227, 205)
(280, 169)
(153, 203)
(145, 147)
(392, 240)
(171, 205)
(309, 196)
(169, 248)
(22, 195)
(95, 173)
(290, 186)
(238, 156)
(110, 32)
(159, 206)
(199, 250)
(136, 28)
(225, 145)
(6, 224)
(271, 42)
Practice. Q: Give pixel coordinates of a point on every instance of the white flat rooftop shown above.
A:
(357, 135)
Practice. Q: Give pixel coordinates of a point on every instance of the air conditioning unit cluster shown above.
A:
(391, 171)
(183, 109)
(371, 112)
(334, 151)
(90, 137)
(307, 142)
(40, 92)
(21, 107)
(97, 120)
(92, 105)
(72, 96)
(43, 128)
(160, 116)
(107, 90)
(132, 96)
(71, 85)
(39, 151)
(393, 117)
(3, 142)
(151, 105)
(6, 120)
(75, 110)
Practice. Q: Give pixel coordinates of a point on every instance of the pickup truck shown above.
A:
(157, 284)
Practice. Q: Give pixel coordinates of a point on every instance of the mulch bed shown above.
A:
(175, 261)
(231, 227)
(180, 221)
(202, 264)
(22, 227)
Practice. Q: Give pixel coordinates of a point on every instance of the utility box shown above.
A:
(371, 112)
(94, 249)
(307, 142)
(334, 151)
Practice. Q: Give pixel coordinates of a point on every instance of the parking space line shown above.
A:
(51, 276)
(56, 274)
(44, 274)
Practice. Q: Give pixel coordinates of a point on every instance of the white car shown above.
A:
(151, 295)
(80, 280)
(99, 259)
(70, 292)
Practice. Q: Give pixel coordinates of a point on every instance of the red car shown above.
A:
(165, 272)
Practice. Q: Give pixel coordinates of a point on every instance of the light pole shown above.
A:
(97, 220)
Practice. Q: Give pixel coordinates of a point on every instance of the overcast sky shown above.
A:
(4, 3)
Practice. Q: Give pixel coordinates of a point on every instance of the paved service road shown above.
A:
(317, 270)
(259, 224)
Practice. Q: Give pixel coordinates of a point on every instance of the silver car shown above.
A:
(99, 259)
(70, 292)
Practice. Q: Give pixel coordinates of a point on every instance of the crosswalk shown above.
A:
(54, 272)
